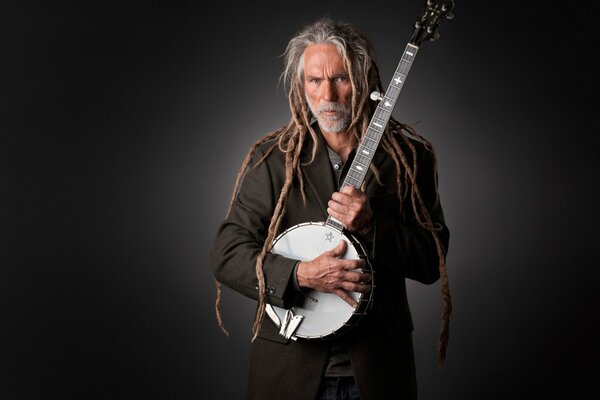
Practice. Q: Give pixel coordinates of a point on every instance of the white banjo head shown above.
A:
(323, 314)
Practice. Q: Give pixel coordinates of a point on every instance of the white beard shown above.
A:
(337, 123)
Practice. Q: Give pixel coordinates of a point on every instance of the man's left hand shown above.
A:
(351, 207)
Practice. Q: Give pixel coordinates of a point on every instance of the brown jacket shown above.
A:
(381, 344)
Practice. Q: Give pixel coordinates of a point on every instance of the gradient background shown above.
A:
(124, 124)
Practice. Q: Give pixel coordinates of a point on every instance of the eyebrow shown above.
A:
(334, 76)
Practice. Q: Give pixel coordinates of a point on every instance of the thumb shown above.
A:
(339, 249)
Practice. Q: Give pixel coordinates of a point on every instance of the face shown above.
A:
(327, 87)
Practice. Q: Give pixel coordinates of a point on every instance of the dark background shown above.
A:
(124, 124)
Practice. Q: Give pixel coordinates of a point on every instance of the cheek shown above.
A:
(347, 100)
(311, 93)
(346, 94)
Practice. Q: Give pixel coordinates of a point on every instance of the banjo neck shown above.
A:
(371, 138)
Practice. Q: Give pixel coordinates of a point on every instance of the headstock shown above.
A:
(426, 25)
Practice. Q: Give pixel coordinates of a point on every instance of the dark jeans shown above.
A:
(338, 388)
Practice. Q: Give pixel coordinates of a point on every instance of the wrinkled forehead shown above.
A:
(322, 58)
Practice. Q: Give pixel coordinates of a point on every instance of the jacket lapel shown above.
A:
(318, 175)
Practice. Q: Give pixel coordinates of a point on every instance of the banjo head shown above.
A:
(323, 315)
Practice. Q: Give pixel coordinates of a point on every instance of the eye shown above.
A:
(341, 79)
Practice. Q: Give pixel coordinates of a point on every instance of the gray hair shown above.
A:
(353, 46)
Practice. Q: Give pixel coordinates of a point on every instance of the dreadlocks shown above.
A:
(357, 54)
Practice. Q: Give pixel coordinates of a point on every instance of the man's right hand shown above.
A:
(330, 274)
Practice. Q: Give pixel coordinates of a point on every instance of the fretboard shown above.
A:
(368, 145)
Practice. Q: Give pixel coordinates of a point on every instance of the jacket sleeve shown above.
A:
(400, 242)
(240, 238)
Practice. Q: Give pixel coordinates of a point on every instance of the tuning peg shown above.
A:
(376, 96)
(449, 16)
(434, 36)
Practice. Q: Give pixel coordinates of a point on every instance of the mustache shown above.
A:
(332, 106)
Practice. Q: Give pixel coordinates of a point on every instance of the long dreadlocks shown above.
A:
(357, 54)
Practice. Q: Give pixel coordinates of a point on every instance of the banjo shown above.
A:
(325, 315)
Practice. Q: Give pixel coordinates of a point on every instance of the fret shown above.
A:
(379, 121)
(370, 144)
(357, 175)
(403, 69)
(371, 132)
(362, 159)
(398, 81)
(388, 103)
(393, 92)
(380, 117)
(354, 181)
(378, 124)
(359, 166)
(366, 151)
(371, 140)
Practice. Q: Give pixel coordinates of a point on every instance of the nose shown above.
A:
(329, 92)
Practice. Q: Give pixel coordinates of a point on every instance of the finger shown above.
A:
(336, 206)
(362, 288)
(353, 264)
(337, 250)
(336, 214)
(359, 287)
(349, 190)
(340, 216)
(353, 195)
(358, 277)
(365, 278)
(346, 297)
(340, 198)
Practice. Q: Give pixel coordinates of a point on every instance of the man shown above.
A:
(292, 176)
